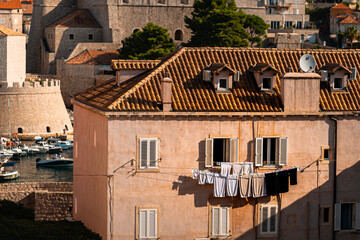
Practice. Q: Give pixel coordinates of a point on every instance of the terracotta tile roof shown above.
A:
(8, 32)
(128, 64)
(350, 19)
(261, 67)
(80, 18)
(191, 93)
(333, 67)
(27, 8)
(94, 57)
(217, 67)
(340, 6)
(10, 5)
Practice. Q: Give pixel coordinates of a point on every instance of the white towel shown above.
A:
(245, 186)
(225, 169)
(195, 173)
(238, 169)
(202, 178)
(258, 185)
(209, 177)
(232, 185)
(248, 168)
(219, 185)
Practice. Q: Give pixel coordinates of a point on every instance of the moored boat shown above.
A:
(54, 161)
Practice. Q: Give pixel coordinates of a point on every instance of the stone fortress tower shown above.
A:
(35, 104)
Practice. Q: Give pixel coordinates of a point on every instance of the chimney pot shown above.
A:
(166, 84)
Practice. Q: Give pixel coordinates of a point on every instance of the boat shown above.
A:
(42, 146)
(55, 161)
(54, 149)
(33, 150)
(64, 145)
(7, 171)
(5, 154)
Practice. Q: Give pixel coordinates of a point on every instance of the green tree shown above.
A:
(256, 28)
(152, 42)
(217, 23)
(351, 34)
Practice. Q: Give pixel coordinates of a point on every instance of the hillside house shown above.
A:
(137, 142)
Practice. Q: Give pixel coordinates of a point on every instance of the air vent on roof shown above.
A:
(353, 73)
(237, 76)
(206, 75)
(324, 75)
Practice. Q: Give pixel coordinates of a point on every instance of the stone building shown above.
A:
(343, 17)
(136, 142)
(27, 102)
(119, 18)
(11, 15)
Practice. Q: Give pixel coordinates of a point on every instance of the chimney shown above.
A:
(118, 79)
(300, 92)
(166, 83)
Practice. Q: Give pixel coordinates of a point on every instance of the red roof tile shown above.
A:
(349, 19)
(94, 57)
(129, 64)
(340, 6)
(80, 18)
(191, 93)
(10, 5)
(27, 8)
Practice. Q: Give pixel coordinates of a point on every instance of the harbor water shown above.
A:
(30, 173)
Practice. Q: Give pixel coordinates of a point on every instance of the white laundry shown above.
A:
(219, 185)
(245, 186)
(258, 185)
(202, 178)
(209, 177)
(232, 185)
(248, 168)
(195, 173)
(238, 169)
(225, 169)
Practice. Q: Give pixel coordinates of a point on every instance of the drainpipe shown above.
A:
(335, 160)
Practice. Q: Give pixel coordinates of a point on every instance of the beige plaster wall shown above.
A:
(12, 19)
(90, 175)
(16, 59)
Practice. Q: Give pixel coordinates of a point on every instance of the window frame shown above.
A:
(227, 84)
(341, 82)
(355, 221)
(231, 158)
(148, 140)
(71, 36)
(92, 37)
(279, 159)
(323, 148)
(147, 209)
(262, 85)
(322, 208)
(268, 219)
(211, 221)
(138, 152)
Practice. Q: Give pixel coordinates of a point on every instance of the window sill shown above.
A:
(220, 237)
(339, 90)
(348, 231)
(268, 91)
(270, 167)
(268, 235)
(148, 170)
(223, 91)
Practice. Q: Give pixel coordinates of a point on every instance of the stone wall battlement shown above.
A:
(32, 85)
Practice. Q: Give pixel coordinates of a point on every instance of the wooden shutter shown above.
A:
(142, 223)
(152, 223)
(337, 217)
(209, 142)
(353, 73)
(237, 76)
(283, 151)
(258, 152)
(143, 153)
(234, 149)
(224, 221)
(215, 212)
(357, 216)
(153, 153)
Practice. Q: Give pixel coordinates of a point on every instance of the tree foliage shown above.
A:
(152, 42)
(351, 34)
(217, 23)
(256, 28)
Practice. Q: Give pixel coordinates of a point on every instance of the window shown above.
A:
(296, 1)
(66, 127)
(353, 73)
(186, 2)
(296, 11)
(48, 129)
(148, 153)
(338, 83)
(71, 36)
(326, 153)
(70, 50)
(288, 24)
(1, 20)
(347, 216)
(275, 24)
(268, 219)
(218, 150)
(178, 35)
(223, 85)
(267, 84)
(91, 37)
(147, 223)
(298, 25)
(161, 1)
(325, 215)
(136, 30)
(125, 1)
(270, 151)
(20, 130)
(220, 221)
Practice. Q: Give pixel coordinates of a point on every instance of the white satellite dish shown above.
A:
(307, 63)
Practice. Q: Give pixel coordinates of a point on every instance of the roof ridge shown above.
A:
(147, 78)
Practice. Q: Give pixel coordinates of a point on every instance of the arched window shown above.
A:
(66, 127)
(20, 130)
(178, 35)
(136, 30)
(48, 129)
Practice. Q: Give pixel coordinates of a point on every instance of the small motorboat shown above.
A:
(54, 149)
(55, 161)
(5, 154)
(64, 145)
(6, 173)
(33, 150)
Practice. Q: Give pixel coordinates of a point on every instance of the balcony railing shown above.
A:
(277, 4)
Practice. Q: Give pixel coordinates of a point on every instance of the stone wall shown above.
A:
(50, 201)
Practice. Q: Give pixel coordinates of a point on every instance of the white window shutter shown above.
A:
(337, 217)
(215, 221)
(234, 150)
(237, 76)
(152, 223)
(353, 73)
(258, 152)
(283, 151)
(153, 153)
(357, 216)
(143, 153)
(142, 223)
(209, 142)
(224, 227)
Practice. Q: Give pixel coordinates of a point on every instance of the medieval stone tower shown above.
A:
(32, 105)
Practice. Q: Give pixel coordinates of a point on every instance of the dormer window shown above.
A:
(220, 75)
(337, 75)
(265, 76)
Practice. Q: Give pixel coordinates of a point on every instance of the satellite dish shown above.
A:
(307, 63)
